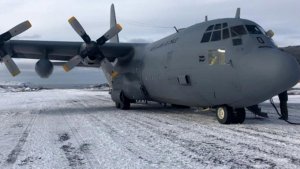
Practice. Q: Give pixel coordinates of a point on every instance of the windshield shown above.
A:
(238, 30)
(253, 29)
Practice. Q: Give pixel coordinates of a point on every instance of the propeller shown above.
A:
(91, 47)
(6, 58)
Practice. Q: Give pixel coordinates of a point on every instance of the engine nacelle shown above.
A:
(44, 68)
(91, 52)
(89, 60)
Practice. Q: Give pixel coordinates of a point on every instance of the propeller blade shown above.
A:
(79, 29)
(11, 65)
(72, 63)
(22, 27)
(109, 34)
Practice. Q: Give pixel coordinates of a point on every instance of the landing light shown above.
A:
(221, 50)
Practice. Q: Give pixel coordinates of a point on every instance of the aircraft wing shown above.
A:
(61, 51)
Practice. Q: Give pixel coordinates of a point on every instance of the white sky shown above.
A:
(140, 18)
(49, 18)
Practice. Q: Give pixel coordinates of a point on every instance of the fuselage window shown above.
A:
(216, 36)
(217, 27)
(253, 29)
(216, 57)
(226, 33)
(210, 28)
(206, 37)
(238, 31)
(224, 25)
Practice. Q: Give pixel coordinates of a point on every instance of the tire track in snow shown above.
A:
(195, 158)
(83, 147)
(135, 145)
(184, 143)
(130, 143)
(210, 145)
(231, 142)
(268, 136)
(13, 155)
(124, 143)
(74, 156)
(215, 143)
(203, 152)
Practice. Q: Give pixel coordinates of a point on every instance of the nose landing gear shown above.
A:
(228, 115)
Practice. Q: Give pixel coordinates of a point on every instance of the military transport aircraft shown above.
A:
(227, 64)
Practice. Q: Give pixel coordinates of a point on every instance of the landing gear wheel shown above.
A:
(224, 114)
(239, 116)
(118, 105)
(125, 102)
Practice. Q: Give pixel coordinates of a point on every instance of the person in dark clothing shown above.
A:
(283, 98)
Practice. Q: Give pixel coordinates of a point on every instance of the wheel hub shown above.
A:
(221, 113)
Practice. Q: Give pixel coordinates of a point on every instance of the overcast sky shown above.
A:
(144, 21)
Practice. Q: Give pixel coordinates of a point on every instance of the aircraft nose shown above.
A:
(284, 70)
(268, 72)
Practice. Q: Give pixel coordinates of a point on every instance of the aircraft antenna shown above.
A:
(238, 13)
(206, 18)
(176, 29)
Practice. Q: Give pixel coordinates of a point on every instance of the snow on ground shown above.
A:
(81, 128)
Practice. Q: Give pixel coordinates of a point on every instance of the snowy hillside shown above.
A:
(294, 50)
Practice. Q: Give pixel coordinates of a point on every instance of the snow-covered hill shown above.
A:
(294, 50)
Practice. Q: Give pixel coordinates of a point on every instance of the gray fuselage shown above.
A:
(243, 69)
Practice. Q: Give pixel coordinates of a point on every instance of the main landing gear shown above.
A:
(228, 115)
(124, 103)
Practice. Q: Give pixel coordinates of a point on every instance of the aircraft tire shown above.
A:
(224, 114)
(125, 102)
(239, 116)
(118, 106)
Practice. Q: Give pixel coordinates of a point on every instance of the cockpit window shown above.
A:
(224, 25)
(238, 31)
(220, 32)
(210, 28)
(216, 36)
(226, 33)
(217, 27)
(206, 37)
(253, 29)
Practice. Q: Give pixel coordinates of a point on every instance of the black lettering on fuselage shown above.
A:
(169, 42)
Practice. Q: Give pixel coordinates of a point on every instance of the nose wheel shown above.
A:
(227, 115)
(224, 114)
(239, 116)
